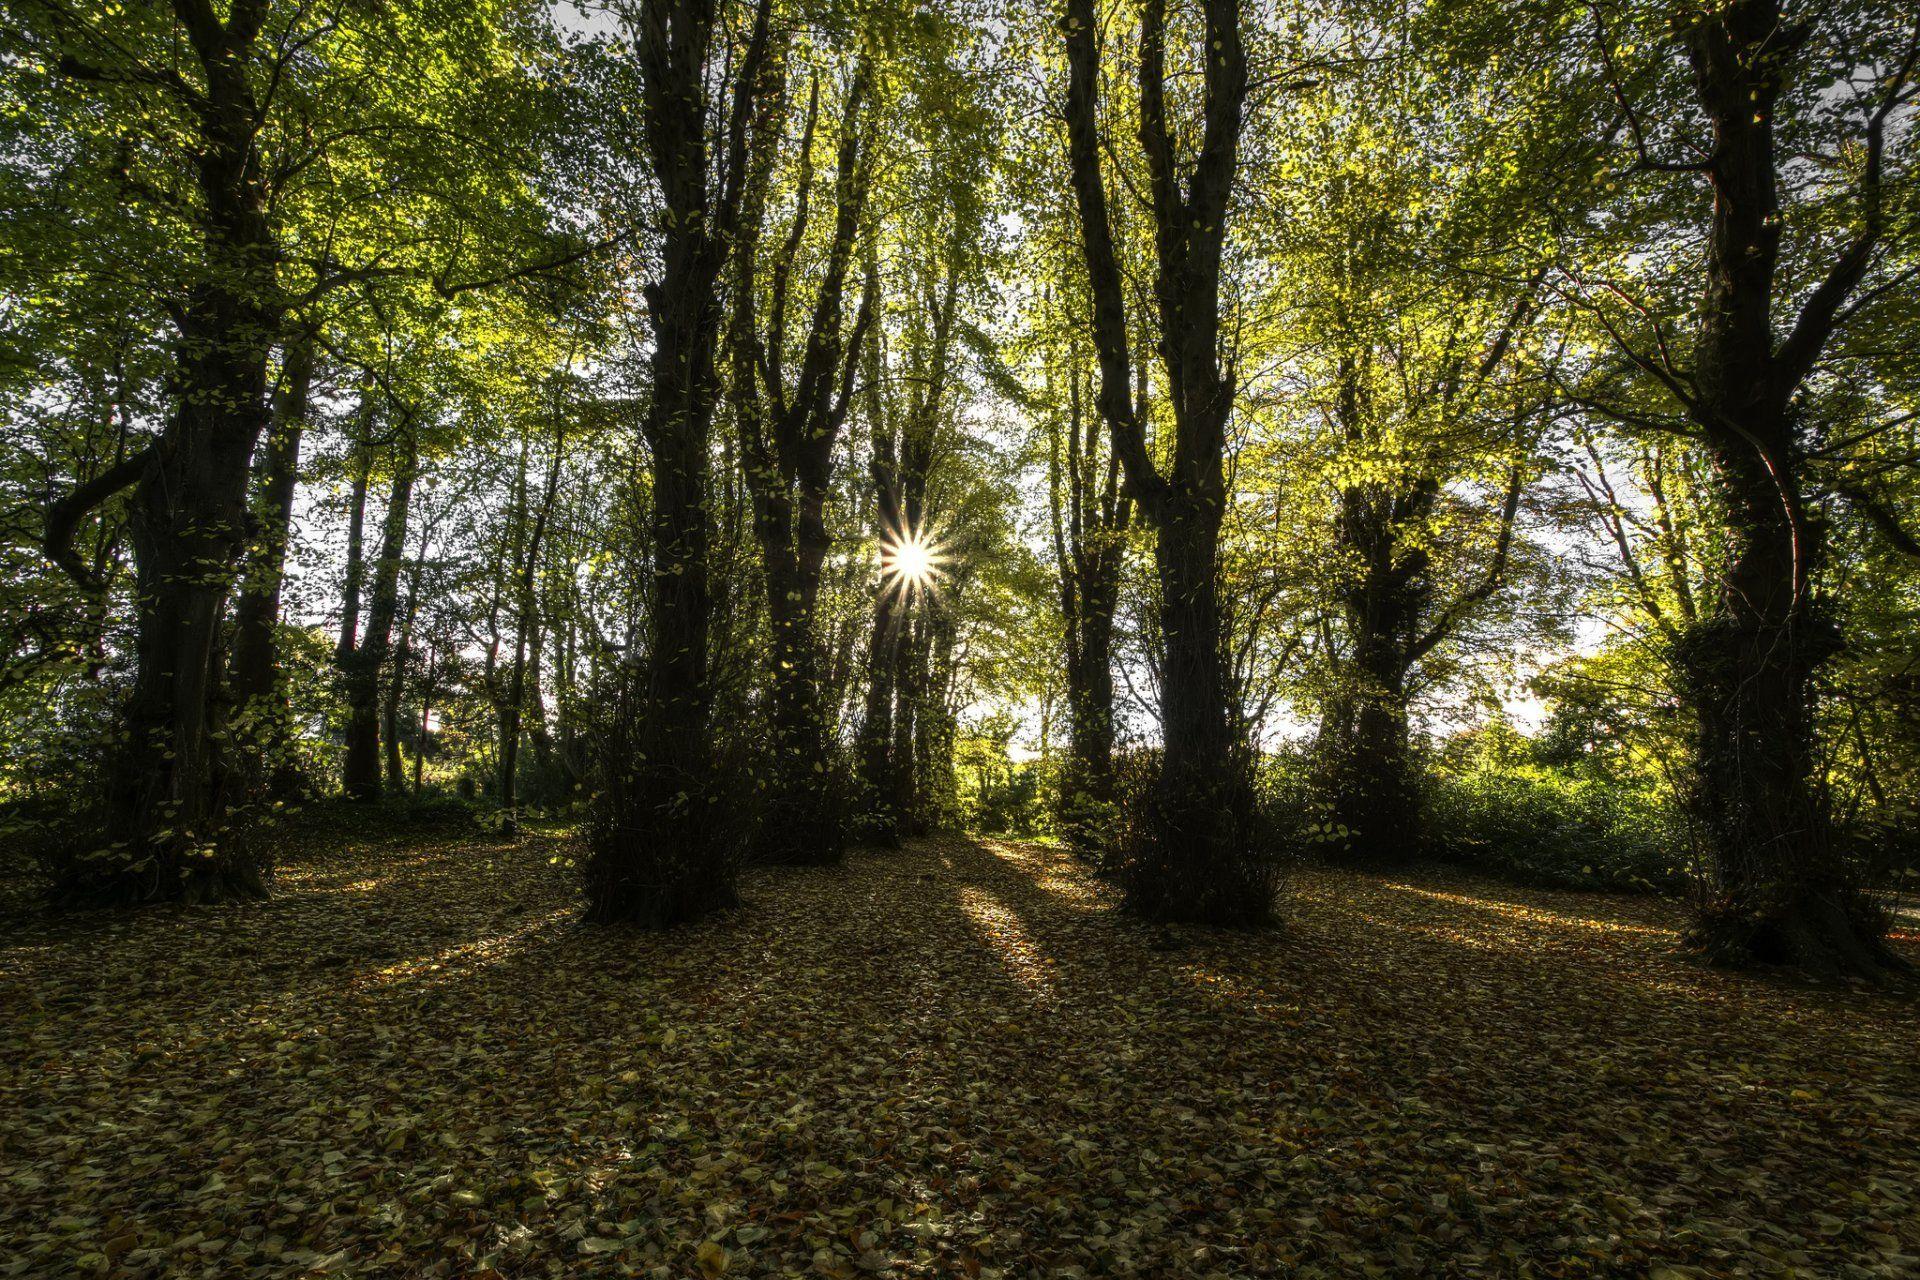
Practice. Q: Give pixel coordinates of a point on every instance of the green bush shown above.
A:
(1543, 826)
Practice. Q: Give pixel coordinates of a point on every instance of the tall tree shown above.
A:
(789, 434)
(657, 855)
(1194, 861)
(1748, 666)
(360, 769)
(172, 790)
(1090, 514)
(255, 675)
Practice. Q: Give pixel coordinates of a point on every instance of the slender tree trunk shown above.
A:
(1089, 528)
(539, 735)
(361, 769)
(881, 823)
(788, 434)
(257, 683)
(426, 719)
(660, 853)
(397, 683)
(910, 689)
(356, 567)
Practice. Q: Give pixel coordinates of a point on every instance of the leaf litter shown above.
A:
(952, 1060)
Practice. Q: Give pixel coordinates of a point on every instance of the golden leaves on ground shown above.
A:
(950, 1061)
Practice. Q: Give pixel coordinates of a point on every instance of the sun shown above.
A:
(910, 560)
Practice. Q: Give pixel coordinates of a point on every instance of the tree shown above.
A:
(657, 858)
(789, 432)
(1196, 861)
(1089, 516)
(1748, 666)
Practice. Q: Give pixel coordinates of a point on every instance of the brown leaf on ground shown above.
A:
(950, 1061)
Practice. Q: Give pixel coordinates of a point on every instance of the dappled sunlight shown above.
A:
(463, 957)
(923, 1057)
(1525, 914)
(1009, 939)
(1051, 871)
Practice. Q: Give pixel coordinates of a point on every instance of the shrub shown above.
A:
(1543, 826)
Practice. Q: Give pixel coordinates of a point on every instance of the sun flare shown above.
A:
(911, 560)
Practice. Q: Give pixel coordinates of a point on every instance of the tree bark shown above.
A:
(1194, 859)
(659, 855)
(360, 772)
(396, 687)
(356, 567)
(788, 435)
(526, 628)
(1780, 892)
(254, 675)
(175, 802)
(1090, 517)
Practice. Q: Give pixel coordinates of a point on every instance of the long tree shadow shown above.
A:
(949, 1056)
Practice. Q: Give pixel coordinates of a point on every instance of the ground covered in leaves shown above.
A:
(953, 1060)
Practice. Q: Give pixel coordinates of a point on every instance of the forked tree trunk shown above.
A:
(659, 852)
(1194, 858)
(1090, 516)
(353, 581)
(788, 435)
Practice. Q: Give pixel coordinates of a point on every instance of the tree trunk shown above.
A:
(356, 568)
(880, 822)
(788, 435)
(360, 773)
(1194, 856)
(396, 688)
(1780, 893)
(175, 804)
(1089, 530)
(257, 683)
(660, 855)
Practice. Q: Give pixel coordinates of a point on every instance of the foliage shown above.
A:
(1539, 825)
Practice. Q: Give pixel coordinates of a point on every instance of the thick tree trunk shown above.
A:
(1193, 857)
(257, 685)
(1780, 894)
(1374, 793)
(1194, 862)
(175, 808)
(1364, 746)
(174, 787)
(360, 771)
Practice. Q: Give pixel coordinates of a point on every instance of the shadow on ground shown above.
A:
(951, 1060)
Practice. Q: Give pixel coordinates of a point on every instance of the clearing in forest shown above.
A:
(950, 1060)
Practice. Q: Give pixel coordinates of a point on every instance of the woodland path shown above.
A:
(951, 1060)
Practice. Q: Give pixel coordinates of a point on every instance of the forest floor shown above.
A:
(949, 1061)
